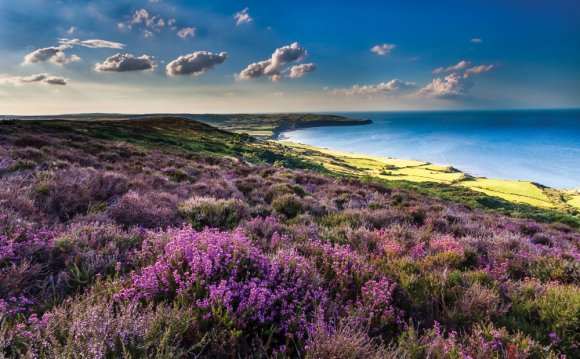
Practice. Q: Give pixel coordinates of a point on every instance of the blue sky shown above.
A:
(274, 56)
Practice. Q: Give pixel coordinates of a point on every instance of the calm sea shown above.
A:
(540, 146)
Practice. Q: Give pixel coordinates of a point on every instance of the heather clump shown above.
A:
(235, 287)
(288, 204)
(150, 209)
(210, 212)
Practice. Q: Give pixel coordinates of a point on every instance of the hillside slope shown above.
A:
(168, 238)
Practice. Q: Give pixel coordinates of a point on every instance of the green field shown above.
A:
(392, 169)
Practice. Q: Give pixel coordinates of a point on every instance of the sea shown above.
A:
(542, 146)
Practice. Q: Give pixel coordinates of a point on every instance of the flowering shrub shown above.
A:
(228, 277)
(377, 300)
(21, 243)
(446, 244)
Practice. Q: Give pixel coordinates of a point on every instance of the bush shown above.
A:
(149, 210)
(235, 287)
(204, 212)
(288, 205)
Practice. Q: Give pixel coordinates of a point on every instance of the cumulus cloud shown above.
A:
(455, 84)
(186, 31)
(38, 78)
(272, 67)
(126, 62)
(477, 40)
(450, 86)
(54, 54)
(457, 67)
(195, 63)
(383, 49)
(243, 17)
(299, 71)
(393, 87)
(92, 43)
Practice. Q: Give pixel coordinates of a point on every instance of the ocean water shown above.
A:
(541, 146)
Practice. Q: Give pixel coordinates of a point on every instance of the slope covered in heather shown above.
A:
(169, 238)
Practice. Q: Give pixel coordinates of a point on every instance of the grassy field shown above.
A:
(416, 171)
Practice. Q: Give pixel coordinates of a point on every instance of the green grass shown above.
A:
(516, 198)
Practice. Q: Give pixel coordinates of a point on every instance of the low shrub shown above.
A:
(204, 212)
(288, 205)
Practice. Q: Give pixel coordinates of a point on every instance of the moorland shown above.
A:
(168, 237)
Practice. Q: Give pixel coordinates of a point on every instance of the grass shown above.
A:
(417, 171)
(516, 198)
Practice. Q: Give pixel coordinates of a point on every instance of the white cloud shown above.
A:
(71, 30)
(478, 70)
(54, 54)
(186, 31)
(92, 43)
(139, 16)
(126, 62)
(272, 67)
(454, 84)
(393, 87)
(147, 23)
(476, 40)
(195, 63)
(243, 17)
(38, 78)
(299, 71)
(383, 49)
(457, 67)
(450, 86)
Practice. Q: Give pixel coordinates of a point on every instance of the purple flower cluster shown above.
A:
(225, 271)
(21, 243)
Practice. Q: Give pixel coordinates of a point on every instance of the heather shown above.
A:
(110, 247)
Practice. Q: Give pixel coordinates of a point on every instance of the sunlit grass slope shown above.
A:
(417, 171)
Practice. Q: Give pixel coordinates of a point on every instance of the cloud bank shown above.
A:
(393, 87)
(195, 63)
(126, 63)
(38, 78)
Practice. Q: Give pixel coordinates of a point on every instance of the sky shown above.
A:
(217, 56)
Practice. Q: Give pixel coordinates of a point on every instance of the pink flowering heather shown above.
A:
(446, 243)
(343, 269)
(225, 270)
(22, 243)
(377, 299)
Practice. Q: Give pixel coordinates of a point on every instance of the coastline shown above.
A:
(396, 169)
(278, 132)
